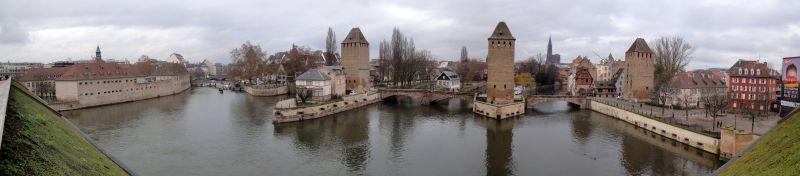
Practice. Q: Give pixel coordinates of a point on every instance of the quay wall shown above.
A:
(287, 111)
(697, 140)
(112, 93)
(264, 92)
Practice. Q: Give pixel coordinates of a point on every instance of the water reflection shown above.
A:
(202, 132)
(499, 145)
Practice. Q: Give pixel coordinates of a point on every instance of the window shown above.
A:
(746, 72)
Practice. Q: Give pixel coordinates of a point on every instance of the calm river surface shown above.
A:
(203, 132)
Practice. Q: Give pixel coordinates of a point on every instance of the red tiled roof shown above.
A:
(42, 74)
(697, 79)
(758, 69)
(98, 70)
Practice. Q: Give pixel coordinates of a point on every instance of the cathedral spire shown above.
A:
(550, 46)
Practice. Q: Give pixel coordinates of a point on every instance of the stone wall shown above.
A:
(731, 142)
(499, 111)
(288, 112)
(263, 92)
(685, 136)
(82, 94)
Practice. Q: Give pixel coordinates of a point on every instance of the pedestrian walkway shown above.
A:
(696, 119)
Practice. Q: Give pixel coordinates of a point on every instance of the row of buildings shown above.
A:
(86, 84)
(748, 84)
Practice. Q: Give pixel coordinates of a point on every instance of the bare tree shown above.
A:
(672, 55)
(463, 65)
(714, 102)
(304, 94)
(330, 48)
(248, 62)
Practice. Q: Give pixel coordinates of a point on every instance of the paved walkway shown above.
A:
(696, 119)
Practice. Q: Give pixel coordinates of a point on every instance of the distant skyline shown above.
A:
(723, 31)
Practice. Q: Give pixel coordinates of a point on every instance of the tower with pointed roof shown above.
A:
(355, 62)
(500, 84)
(97, 56)
(499, 102)
(639, 73)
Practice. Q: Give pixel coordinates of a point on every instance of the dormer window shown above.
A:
(740, 71)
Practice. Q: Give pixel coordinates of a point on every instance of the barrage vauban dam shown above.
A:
(338, 112)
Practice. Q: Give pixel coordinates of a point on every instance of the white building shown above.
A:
(449, 81)
(317, 82)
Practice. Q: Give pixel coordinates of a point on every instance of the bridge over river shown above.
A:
(426, 96)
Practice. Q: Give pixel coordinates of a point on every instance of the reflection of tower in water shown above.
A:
(499, 145)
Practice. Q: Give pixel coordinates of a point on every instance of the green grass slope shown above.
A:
(778, 153)
(37, 141)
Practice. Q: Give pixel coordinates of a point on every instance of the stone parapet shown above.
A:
(289, 112)
(499, 111)
(266, 91)
(688, 137)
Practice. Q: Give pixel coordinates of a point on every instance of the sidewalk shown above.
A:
(696, 118)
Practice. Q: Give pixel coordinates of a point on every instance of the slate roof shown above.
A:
(754, 66)
(639, 46)
(355, 36)
(502, 32)
(313, 75)
(448, 75)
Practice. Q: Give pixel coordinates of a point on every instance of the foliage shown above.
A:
(304, 94)
(330, 48)
(672, 55)
(37, 141)
(524, 79)
(775, 154)
(544, 74)
(248, 62)
(402, 63)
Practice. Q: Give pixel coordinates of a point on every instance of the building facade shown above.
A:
(315, 81)
(753, 87)
(338, 79)
(686, 89)
(639, 73)
(448, 80)
(355, 62)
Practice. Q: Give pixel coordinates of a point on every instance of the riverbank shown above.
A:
(39, 141)
(128, 92)
(688, 137)
(288, 111)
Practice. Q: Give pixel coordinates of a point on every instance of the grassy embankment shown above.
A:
(778, 153)
(37, 141)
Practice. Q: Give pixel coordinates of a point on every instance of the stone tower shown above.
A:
(97, 56)
(355, 62)
(639, 73)
(500, 85)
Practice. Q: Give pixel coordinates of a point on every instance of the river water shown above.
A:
(203, 132)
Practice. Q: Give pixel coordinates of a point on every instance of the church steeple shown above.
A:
(97, 56)
(549, 47)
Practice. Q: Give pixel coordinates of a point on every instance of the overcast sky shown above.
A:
(723, 31)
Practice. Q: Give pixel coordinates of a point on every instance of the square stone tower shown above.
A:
(355, 62)
(639, 73)
(500, 84)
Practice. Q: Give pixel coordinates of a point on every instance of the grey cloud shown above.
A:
(723, 31)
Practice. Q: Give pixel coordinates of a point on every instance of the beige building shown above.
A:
(355, 62)
(499, 102)
(688, 88)
(338, 79)
(500, 85)
(639, 72)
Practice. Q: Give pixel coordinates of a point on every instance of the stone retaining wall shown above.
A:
(264, 92)
(697, 140)
(292, 113)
